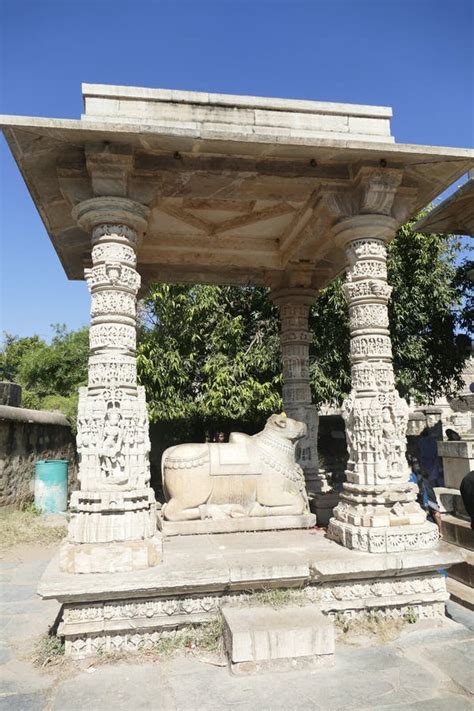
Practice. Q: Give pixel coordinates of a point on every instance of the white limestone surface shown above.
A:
(263, 634)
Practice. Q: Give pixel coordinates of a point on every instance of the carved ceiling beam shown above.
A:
(296, 227)
(186, 217)
(254, 217)
(202, 257)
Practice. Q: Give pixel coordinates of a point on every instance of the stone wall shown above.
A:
(25, 437)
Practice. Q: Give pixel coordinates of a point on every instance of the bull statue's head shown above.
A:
(285, 427)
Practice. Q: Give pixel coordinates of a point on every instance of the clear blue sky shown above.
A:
(413, 55)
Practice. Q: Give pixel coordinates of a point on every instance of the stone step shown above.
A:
(460, 593)
(464, 572)
(450, 502)
(457, 531)
(264, 638)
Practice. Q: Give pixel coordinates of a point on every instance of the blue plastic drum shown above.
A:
(51, 485)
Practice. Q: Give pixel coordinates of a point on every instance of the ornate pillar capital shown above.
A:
(294, 295)
(115, 210)
(364, 227)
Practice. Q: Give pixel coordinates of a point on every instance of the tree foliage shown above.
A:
(427, 309)
(48, 373)
(209, 352)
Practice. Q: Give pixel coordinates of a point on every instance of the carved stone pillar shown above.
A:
(113, 517)
(294, 304)
(378, 510)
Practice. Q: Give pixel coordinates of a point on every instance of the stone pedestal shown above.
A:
(294, 304)
(378, 510)
(113, 517)
(458, 460)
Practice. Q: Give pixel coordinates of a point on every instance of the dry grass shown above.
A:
(198, 640)
(277, 598)
(27, 527)
(373, 627)
(206, 637)
(48, 652)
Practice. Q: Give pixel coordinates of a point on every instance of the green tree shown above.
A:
(48, 373)
(13, 350)
(209, 351)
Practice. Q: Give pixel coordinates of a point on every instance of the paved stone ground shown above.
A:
(430, 669)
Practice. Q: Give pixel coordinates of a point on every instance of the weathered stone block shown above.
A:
(111, 557)
(458, 460)
(10, 394)
(457, 531)
(264, 634)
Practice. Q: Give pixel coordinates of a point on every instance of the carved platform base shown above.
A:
(111, 557)
(384, 539)
(131, 611)
(232, 525)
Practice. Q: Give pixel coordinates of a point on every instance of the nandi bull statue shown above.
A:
(251, 476)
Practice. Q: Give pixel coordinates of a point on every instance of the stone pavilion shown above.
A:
(157, 185)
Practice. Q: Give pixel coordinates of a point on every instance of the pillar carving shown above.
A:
(378, 510)
(294, 304)
(113, 517)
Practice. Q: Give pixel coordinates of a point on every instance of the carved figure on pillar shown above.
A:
(378, 509)
(113, 516)
(294, 304)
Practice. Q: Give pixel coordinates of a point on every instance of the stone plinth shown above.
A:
(264, 638)
(458, 460)
(458, 531)
(128, 610)
(233, 525)
(323, 506)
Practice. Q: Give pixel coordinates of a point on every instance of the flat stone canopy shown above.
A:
(239, 187)
(455, 215)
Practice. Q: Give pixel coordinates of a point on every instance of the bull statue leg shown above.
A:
(272, 501)
(186, 481)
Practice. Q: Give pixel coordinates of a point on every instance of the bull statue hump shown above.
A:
(248, 476)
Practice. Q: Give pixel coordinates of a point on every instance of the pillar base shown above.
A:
(316, 482)
(384, 539)
(323, 505)
(118, 557)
